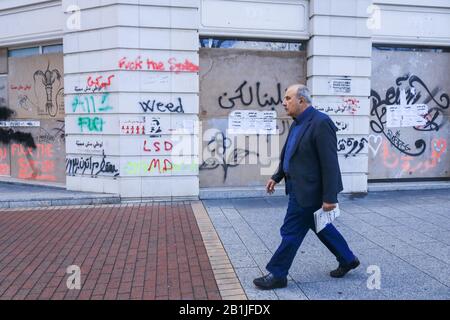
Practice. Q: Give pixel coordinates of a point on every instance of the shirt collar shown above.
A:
(303, 115)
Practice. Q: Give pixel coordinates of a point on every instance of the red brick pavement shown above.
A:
(141, 251)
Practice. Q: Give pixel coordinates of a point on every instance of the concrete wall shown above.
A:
(132, 98)
(26, 21)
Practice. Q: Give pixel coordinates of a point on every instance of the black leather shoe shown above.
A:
(343, 270)
(268, 282)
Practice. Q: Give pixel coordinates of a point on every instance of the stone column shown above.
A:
(339, 69)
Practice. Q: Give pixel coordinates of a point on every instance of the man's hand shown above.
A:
(328, 206)
(270, 186)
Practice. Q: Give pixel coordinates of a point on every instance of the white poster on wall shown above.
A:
(252, 122)
(406, 115)
(340, 85)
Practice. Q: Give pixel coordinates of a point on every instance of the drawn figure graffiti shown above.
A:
(48, 79)
(218, 145)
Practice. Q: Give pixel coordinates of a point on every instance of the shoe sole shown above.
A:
(271, 288)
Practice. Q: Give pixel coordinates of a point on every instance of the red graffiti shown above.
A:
(35, 164)
(156, 66)
(156, 164)
(439, 147)
(157, 146)
(131, 65)
(21, 87)
(98, 83)
(352, 103)
(41, 151)
(133, 129)
(3, 153)
(36, 170)
(5, 169)
(182, 66)
(171, 65)
(411, 164)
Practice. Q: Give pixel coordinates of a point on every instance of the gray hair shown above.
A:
(303, 91)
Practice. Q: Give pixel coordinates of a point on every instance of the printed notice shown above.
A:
(340, 85)
(252, 122)
(406, 115)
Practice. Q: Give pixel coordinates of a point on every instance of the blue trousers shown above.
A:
(296, 224)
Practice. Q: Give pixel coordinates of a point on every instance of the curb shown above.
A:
(227, 281)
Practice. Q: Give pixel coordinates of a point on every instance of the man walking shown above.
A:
(310, 167)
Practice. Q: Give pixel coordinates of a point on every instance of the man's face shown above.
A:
(291, 103)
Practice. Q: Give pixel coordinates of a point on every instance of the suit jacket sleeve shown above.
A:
(279, 174)
(326, 144)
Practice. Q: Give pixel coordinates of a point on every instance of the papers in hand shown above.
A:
(322, 218)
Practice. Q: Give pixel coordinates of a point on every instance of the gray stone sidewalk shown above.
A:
(405, 233)
(21, 195)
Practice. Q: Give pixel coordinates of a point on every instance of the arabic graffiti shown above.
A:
(413, 95)
(341, 126)
(86, 145)
(20, 87)
(347, 105)
(149, 106)
(48, 79)
(98, 83)
(247, 99)
(353, 144)
(82, 165)
(218, 145)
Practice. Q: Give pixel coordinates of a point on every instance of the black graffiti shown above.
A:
(48, 79)
(413, 95)
(94, 168)
(9, 135)
(394, 138)
(150, 105)
(355, 145)
(222, 143)
(247, 100)
(341, 126)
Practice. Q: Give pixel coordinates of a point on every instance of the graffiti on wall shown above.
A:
(409, 114)
(91, 165)
(435, 117)
(171, 64)
(246, 95)
(218, 147)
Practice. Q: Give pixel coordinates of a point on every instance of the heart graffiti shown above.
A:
(375, 143)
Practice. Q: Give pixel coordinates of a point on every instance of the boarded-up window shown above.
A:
(33, 135)
(244, 124)
(409, 127)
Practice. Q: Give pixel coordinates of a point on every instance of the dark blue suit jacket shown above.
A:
(314, 167)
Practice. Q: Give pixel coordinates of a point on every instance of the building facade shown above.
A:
(181, 98)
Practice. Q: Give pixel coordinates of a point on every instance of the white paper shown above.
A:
(322, 218)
